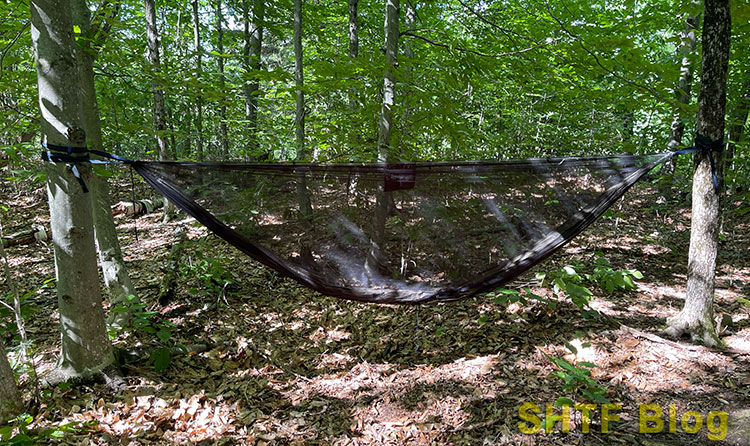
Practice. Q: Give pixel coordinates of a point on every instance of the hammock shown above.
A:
(407, 233)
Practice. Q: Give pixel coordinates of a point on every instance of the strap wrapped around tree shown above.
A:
(407, 233)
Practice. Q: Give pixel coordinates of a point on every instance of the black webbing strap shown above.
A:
(74, 155)
(709, 146)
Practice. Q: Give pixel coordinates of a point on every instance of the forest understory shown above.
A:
(271, 362)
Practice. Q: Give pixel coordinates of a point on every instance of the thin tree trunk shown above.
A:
(299, 80)
(411, 17)
(252, 65)
(160, 126)
(696, 318)
(223, 135)
(374, 264)
(86, 350)
(353, 29)
(683, 92)
(303, 197)
(10, 398)
(115, 272)
(385, 127)
(198, 74)
(355, 136)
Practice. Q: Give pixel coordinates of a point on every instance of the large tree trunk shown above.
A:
(223, 134)
(160, 125)
(684, 87)
(10, 398)
(86, 350)
(115, 272)
(252, 62)
(696, 318)
(375, 259)
(199, 74)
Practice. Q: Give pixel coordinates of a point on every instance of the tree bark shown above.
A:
(198, 74)
(116, 278)
(353, 29)
(223, 134)
(252, 62)
(684, 87)
(160, 125)
(696, 318)
(10, 398)
(385, 126)
(299, 81)
(86, 350)
(374, 264)
(303, 196)
(355, 136)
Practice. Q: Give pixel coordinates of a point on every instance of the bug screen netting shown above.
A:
(400, 233)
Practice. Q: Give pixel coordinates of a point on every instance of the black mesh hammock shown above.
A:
(410, 233)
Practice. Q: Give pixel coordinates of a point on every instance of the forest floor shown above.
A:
(284, 365)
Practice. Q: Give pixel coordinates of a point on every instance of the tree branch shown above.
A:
(467, 50)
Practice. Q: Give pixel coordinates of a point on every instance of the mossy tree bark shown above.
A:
(696, 318)
(86, 350)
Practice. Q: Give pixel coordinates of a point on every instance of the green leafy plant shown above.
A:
(208, 269)
(577, 379)
(150, 322)
(26, 436)
(612, 280)
(568, 281)
(573, 281)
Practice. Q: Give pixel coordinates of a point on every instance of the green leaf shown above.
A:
(161, 357)
(564, 401)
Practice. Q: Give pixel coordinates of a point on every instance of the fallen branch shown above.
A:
(140, 207)
(36, 233)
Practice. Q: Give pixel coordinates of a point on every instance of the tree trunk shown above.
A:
(198, 74)
(355, 136)
(299, 80)
(115, 272)
(303, 197)
(353, 29)
(160, 126)
(252, 62)
(223, 136)
(411, 17)
(10, 398)
(696, 318)
(374, 264)
(684, 87)
(86, 350)
(385, 126)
